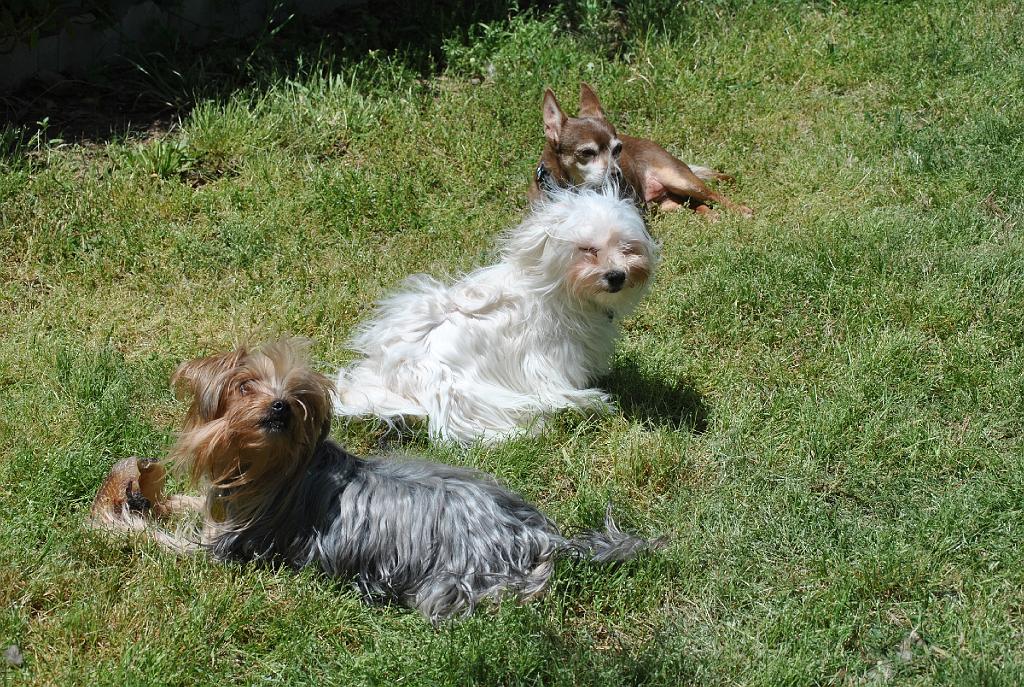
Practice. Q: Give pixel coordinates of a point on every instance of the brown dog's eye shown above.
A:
(585, 154)
(617, 150)
(244, 388)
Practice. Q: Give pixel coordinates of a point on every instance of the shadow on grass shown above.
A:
(146, 91)
(654, 402)
(527, 648)
(542, 642)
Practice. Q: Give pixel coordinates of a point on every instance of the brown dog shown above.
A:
(586, 150)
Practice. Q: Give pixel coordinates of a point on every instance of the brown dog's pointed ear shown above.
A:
(198, 379)
(590, 105)
(554, 118)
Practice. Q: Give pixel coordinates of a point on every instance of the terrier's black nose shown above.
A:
(615, 280)
(279, 407)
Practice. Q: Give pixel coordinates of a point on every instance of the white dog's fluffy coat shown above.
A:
(491, 355)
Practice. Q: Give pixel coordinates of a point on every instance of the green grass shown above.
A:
(821, 407)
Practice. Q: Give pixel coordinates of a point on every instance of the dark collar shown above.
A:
(545, 179)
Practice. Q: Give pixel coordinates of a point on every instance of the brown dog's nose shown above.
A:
(279, 408)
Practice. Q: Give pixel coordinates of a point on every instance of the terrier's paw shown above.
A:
(133, 488)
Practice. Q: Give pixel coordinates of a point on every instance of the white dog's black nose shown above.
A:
(615, 280)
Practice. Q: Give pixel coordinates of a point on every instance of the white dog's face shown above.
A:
(606, 264)
(590, 245)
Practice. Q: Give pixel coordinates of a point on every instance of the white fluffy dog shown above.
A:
(491, 355)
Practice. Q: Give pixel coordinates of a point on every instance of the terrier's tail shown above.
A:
(610, 545)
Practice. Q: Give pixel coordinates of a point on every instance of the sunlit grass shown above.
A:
(821, 407)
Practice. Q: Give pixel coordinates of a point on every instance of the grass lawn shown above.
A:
(822, 407)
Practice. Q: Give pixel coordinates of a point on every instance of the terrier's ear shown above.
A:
(325, 429)
(200, 378)
(554, 118)
(590, 106)
(323, 406)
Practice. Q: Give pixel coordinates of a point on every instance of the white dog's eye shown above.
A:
(589, 249)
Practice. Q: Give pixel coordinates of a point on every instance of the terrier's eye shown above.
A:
(617, 149)
(585, 154)
(244, 388)
(590, 250)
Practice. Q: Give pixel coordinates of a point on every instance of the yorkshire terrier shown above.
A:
(436, 538)
(493, 354)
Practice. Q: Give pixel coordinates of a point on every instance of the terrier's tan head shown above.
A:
(256, 417)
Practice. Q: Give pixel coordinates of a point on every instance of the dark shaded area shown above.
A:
(145, 92)
(148, 90)
(655, 402)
